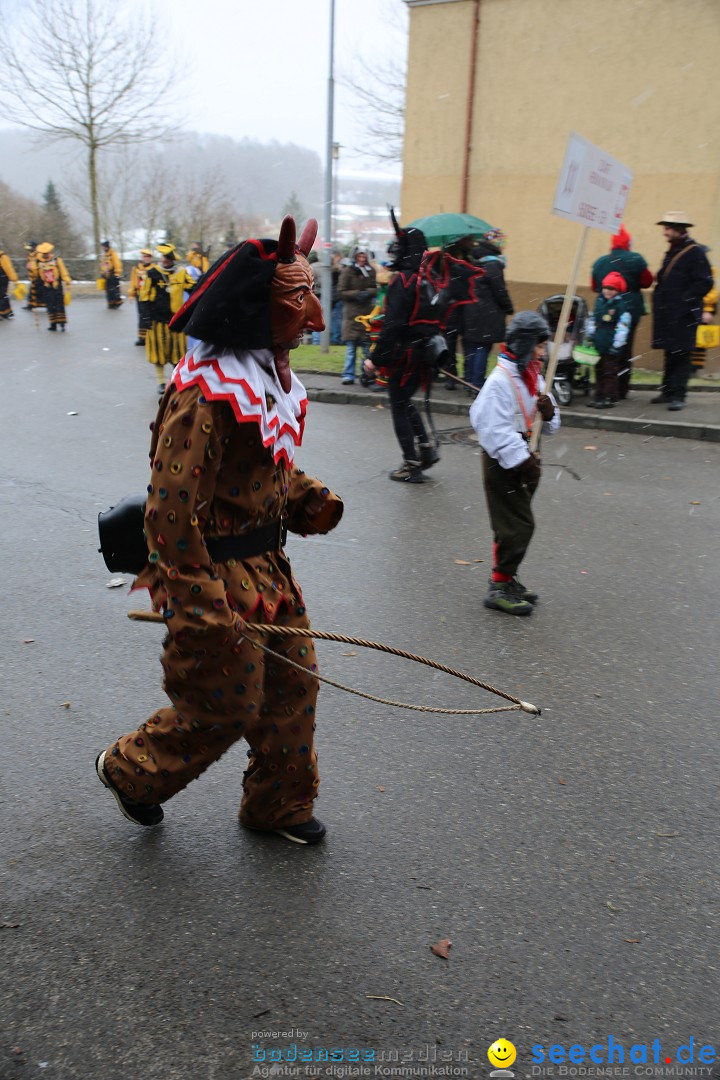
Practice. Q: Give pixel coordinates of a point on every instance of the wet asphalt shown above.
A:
(571, 859)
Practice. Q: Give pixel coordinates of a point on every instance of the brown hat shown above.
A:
(676, 217)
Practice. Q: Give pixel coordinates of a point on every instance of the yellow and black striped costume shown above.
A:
(138, 275)
(55, 283)
(7, 274)
(163, 288)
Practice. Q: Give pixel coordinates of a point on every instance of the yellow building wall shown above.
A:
(636, 77)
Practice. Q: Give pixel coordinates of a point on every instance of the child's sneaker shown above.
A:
(503, 596)
(522, 592)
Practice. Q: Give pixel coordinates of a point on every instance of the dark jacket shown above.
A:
(483, 323)
(682, 281)
(357, 292)
(633, 268)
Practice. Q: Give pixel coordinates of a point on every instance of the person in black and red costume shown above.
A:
(224, 489)
(427, 289)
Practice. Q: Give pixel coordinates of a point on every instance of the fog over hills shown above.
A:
(246, 177)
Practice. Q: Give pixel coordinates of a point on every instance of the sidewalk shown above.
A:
(700, 419)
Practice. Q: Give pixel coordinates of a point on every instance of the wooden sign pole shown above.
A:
(560, 333)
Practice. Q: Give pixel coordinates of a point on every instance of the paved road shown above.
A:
(572, 860)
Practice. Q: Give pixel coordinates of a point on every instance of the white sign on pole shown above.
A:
(593, 187)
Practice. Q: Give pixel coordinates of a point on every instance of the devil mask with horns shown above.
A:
(407, 249)
(257, 296)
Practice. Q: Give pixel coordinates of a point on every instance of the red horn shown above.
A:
(286, 241)
(308, 236)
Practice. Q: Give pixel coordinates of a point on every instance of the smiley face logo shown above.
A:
(501, 1054)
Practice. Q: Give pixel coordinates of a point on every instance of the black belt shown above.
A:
(269, 537)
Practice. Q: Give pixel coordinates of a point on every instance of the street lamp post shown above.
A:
(326, 279)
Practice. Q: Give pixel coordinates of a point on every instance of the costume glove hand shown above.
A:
(545, 407)
(529, 470)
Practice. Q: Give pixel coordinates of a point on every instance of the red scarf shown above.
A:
(530, 375)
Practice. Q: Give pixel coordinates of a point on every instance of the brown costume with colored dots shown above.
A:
(222, 457)
(212, 476)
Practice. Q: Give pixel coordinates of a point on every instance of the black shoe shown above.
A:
(309, 832)
(661, 399)
(348, 382)
(139, 341)
(594, 403)
(605, 403)
(146, 814)
(449, 384)
(428, 457)
(52, 328)
(161, 389)
(408, 473)
(676, 406)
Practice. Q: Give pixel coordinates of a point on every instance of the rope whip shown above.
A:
(291, 631)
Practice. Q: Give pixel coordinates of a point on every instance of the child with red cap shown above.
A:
(608, 327)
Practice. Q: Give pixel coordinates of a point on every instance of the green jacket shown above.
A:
(607, 315)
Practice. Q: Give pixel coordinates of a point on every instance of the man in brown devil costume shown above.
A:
(223, 489)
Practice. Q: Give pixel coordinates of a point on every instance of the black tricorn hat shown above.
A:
(230, 305)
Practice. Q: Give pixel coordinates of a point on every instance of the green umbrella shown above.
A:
(443, 229)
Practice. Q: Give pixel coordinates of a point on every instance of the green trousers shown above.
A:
(511, 517)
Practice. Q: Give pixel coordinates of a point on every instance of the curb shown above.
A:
(570, 418)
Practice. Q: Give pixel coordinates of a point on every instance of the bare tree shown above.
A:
(379, 98)
(78, 72)
(378, 93)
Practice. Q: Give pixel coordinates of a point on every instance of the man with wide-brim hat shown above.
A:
(682, 281)
(223, 491)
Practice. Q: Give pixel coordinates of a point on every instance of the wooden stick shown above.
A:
(560, 334)
(145, 616)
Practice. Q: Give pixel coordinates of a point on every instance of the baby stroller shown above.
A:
(573, 367)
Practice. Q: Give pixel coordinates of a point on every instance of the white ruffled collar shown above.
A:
(247, 381)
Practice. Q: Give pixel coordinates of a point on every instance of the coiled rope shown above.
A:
(321, 635)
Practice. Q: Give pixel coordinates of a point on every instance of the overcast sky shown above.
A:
(244, 48)
(238, 52)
